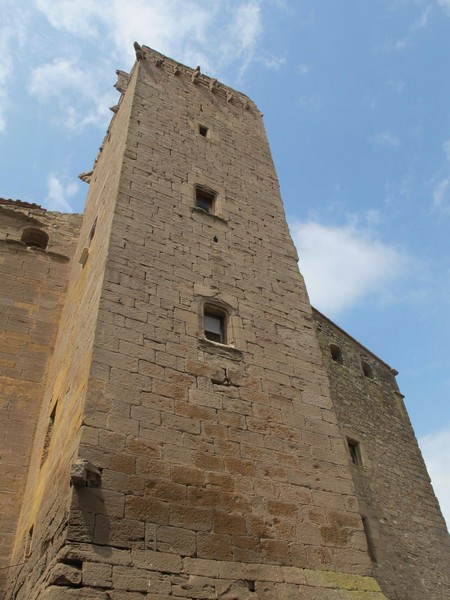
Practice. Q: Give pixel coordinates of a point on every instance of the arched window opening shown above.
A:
(35, 238)
(336, 353)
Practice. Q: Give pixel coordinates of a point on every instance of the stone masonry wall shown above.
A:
(48, 493)
(222, 464)
(33, 284)
(411, 543)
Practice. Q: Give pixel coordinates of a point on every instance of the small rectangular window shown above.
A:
(205, 199)
(214, 324)
(203, 130)
(355, 452)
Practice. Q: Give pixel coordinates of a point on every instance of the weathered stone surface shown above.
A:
(223, 469)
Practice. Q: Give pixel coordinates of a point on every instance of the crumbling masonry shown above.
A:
(177, 421)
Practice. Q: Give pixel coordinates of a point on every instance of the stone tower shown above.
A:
(188, 445)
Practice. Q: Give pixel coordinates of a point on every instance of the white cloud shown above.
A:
(314, 102)
(384, 139)
(76, 18)
(13, 28)
(64, 81)
(303, 69)
(441, 195)
(181, 28)
(420, 23)
(445, 4)
(344, 265)
(446, 147)
(59, 77)
(436, 452)
(274, 62)
(59, 194)
(218, 36)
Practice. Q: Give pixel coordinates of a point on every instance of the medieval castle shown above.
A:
(177, 421)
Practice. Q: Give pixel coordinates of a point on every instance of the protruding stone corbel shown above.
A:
(159, 62)
(84, 474)
(114, 108)
(176, 70)
(139, 52)
(229, 97)
(122, 81)
(86, 177)
(247, 105)
(213, 85)
(195, 74)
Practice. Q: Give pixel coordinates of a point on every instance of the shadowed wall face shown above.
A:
(410, 547)
(33, 283)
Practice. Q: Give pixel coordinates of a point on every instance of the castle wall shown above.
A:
(411, 546)
(222, 468)
(224, 473)
(33, 284)
(48, 493)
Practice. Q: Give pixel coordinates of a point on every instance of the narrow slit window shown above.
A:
(92, 231)
(205, 199)
(355, 452)
(48, 435)
(214, 324)
(29, 542)
(369, 539)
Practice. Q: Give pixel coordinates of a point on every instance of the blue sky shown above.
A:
(356, 97)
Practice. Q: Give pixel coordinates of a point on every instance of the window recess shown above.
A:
(215, 324)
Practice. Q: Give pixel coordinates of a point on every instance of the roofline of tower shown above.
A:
(196, 77)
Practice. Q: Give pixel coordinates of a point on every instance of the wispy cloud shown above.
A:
(445, 4)
(303, 69)
(13, 28)
(77, 91)
(76, 18)
(441, 195)
(60, 191)
(344, 265)
(441, 184)
(420, 23)
(181, 28)
(312, 102)
(384, 139)
(275, 63)
(436, 452)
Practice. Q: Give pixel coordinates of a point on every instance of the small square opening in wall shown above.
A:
(203, 130)
(336, 354)
(367, 369)
(214, 324)
(205, 199)
(355, 452)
